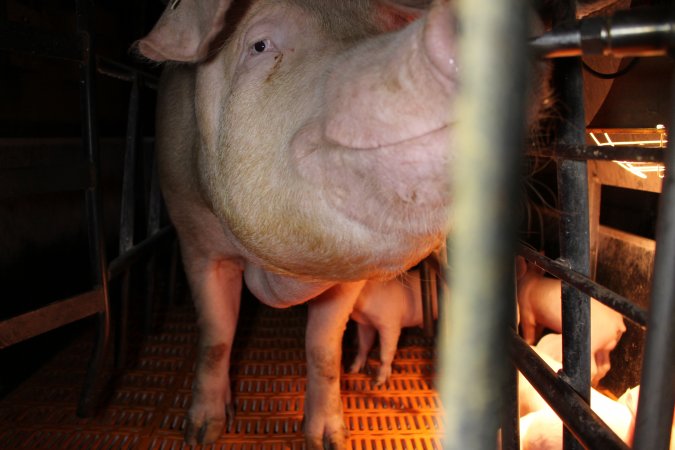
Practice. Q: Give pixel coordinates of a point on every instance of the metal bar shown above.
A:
(573, 410)
(586, 152)
(50, 317)
(605, 296)
(657, 385)
(573, 231)
(511, 409)
(18, 38)
(37, 180)
(115, 69)
(173, 271)
(31, 152)
(127, 222)
(126, 240)
(138, 251)
(634, 32)
(93, 380)
(154, 217)
(427, 300)
(490, 135)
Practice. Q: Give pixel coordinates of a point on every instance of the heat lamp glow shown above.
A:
(636, 168)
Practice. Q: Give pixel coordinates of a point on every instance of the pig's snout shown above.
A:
(394, 89)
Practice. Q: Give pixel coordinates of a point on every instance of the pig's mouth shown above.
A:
(398, 143)
(399, 187)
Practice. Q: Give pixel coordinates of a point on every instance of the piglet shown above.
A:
(540, 307)
(630, 399)
(384, 307)
(540, 427)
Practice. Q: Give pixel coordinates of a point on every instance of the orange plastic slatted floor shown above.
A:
(148, 402)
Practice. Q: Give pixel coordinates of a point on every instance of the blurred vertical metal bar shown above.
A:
(573, 232)
(427, 299)
(510, 435)
(127, 216)
(153, 224)
(93, 380)
(657, 384)
(490, 133)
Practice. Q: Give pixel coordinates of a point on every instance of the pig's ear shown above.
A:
(395, 14)
(185, 30)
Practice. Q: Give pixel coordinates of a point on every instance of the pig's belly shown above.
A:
(281, 291)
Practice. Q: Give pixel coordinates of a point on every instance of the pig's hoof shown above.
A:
(337, 441)
(208, 430)
(325, 435)
(205, 432)
(382, 375)
(357, 366)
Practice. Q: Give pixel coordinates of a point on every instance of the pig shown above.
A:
(540, 426)
(303, 148)
(543, 429)
(630, 400)
(384, 308)
(540, 307)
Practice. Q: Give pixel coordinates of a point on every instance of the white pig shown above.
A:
(303, 147)
(630, 399)
(541, 428)
(539, 307)
(383, 308)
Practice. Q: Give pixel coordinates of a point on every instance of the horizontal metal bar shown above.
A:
(50, 317)
(632, 32)
(605, 296)
(659, 131)
(118, 265)
(42, 179)
(607, 153)
(26, 152)
(575, 413)
(114, 69)
(19, 38)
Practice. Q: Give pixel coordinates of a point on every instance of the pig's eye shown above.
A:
(261, 46)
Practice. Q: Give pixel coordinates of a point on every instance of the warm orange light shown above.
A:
(657, 137)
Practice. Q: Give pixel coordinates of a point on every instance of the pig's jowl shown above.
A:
(303, 147)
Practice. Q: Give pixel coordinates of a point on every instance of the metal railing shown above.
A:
(477, 248)
(79, 48)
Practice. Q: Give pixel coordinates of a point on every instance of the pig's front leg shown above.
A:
(327, 319)
(216, 289)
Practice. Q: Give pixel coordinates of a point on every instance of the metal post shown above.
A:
(127, 217)
(490, 135)
(574, 237)
(511, 411)
(154, 217)
(657, 384)
(93, 379)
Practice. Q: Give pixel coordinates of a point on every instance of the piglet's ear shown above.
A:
(184, 31)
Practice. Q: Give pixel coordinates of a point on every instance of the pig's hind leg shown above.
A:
(389, 336)
(216, 290)
(366, 338)
(326, 322)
